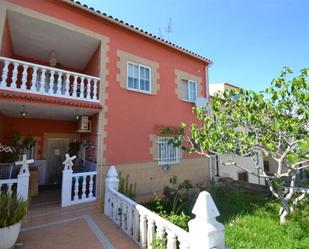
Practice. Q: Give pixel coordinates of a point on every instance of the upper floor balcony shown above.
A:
(25, 77)
(43, 56)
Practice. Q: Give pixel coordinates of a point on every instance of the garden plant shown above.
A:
(273, 122)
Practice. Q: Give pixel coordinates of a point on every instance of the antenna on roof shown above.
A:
(160, 34)
(169, 29)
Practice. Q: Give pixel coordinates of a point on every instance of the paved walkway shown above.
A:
(84, 226)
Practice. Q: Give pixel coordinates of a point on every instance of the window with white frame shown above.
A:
(189, 90)
(139, 77)
(167, 153)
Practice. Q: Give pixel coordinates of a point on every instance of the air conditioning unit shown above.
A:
(84, 124)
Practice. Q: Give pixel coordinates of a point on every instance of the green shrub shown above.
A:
(12, 210)
(159, 243)
(126, 188)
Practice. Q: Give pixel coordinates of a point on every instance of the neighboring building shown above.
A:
(62, 61)
(220, 170)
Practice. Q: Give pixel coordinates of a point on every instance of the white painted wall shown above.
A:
(232, 171)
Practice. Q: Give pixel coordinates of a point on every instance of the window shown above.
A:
(167, 153)
(243, 176)
(266, 166)
(139, 77)
(189, 90)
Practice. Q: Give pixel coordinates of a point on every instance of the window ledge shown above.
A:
(188, 101)
(137, 91)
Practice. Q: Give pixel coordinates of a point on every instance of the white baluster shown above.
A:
(95, 88)
(112, 206)
(119, 212)
(116, 211)
(130, 220)
(5, 72)
(124, 216)
(14, 75)
(150, 233)
(91, 186)
(10, 189)
(171, 240)
(74, 94)
(84, 188)
(42, 81)
(82, 88)
(24, 78)
(160, 231)
(88, 96)
(59, 84)
(183, 244)
(67, 85)
(143, 230)
(34, 79)
(51, 82)
(76, 188)
(136, 225)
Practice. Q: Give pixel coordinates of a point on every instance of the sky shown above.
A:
(249, 41)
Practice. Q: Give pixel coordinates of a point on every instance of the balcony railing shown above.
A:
(21, 76)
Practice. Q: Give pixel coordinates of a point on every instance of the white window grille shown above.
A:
(189, 90)
(167, 153)
(139, 77)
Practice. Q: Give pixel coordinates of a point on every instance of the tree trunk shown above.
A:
(283, 216)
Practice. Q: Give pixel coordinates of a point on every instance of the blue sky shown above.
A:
(248, 40)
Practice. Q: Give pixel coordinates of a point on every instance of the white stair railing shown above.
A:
(77, 187)
(143, 225)
(22, 76)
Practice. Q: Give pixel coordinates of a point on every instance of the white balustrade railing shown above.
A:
(77, 187)
(22, 76)
(143, 225)
(8, 186)
(19, 185)
(83, 187)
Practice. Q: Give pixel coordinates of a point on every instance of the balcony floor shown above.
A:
(49, 226)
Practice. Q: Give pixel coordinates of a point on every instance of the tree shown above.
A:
(274, 122)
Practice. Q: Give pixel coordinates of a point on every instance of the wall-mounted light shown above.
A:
(77, 115)
(52, 58)
(23, 113)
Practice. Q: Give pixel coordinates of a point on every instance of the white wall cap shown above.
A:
(205, 207)
(112, 172)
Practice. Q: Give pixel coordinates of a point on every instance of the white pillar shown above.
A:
(23, 178)
(23, 186)
(111, 181)
(205, 229)
(66, 188)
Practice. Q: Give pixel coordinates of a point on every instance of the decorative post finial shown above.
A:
(24, 164)
(68, 162)
(205, 229)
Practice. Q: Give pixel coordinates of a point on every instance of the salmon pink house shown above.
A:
(74, 80)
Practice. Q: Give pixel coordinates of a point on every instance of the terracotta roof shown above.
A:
(48, 99)
(137, 30)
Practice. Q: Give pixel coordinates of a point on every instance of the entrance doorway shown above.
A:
(56, 150)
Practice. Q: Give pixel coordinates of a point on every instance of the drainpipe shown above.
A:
(207, 87)
(208, 109)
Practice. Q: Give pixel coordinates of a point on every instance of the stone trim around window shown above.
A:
(153, 150)
(181, 75)
(122, 74)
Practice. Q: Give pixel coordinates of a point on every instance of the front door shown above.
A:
(56, 150)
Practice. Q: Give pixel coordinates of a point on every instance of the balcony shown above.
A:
(24, 77)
